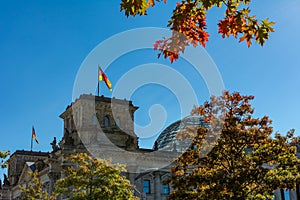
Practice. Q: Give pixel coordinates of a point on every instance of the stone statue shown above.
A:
(6, 182)
(54, 145)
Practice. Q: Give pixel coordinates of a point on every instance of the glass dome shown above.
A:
(167, 139)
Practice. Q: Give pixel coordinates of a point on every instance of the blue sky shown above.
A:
(44, 43)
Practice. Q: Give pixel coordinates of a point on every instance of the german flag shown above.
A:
(103, 77)
(33, 135)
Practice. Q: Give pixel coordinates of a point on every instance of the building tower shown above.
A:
(89, 117)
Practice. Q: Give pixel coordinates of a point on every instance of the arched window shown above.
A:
(106, 121)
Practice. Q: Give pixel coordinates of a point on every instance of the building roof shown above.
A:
(101, 98)
(31, 153)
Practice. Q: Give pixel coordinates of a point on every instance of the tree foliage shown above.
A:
(188, 23)
(245, 162)
(3, 156)
(93, 178)
(34, 191)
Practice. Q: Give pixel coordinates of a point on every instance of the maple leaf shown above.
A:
(134, 7)
(189, 19)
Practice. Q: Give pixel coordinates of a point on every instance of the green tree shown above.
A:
(3, 156)
(188, 23)
(34, 191)
(245, 162)
(93, 178)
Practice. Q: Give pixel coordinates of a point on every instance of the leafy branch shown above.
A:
(188, 24)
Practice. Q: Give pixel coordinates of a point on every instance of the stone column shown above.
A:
(277, 194)
(293, 195)
(131, 177)
(53, 176)
(157, 186)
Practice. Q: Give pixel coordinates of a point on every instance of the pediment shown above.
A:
(27, 170)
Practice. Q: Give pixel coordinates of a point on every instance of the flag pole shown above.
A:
(98, 80)
(31, 141)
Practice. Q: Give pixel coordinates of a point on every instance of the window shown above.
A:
(106, 121)
(95, 120)
(166, 189)
(118, 123)
(67, 123)
(286, 194)
(146, 186)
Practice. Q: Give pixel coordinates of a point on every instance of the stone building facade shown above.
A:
(104, 128)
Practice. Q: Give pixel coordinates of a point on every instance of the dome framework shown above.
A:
(167, 140)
